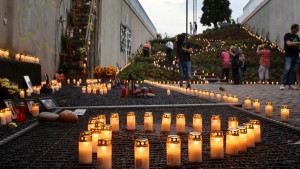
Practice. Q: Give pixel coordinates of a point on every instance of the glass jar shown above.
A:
(21, 112)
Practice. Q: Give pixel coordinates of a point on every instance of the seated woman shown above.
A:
(60, 77)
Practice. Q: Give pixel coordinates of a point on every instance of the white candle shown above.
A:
(166, 122)
(285, 113)
(104, 154)
(68, 81)
(242, 138)
(233, 122)
(101, 91)
(230, 99)
(218, 97)
(101, 118)
(232, 141)
(89, 89)
(195, 147)
(114, 121)
(211, 95)
(35, 109)
(109, 86)
(148, 121)
(131, 121)
(180, 123)
(215, 122)
(269, 109)
(74, 81)
(8, 115)
(168, 92)
(250, 135)
(141, 153)
(235, 99)
(225, 96)
(106, 132)
(257, 131)
(256, 106)
(96, 133)
(3, 117)
(173, 150)
(85, 148)
(197, 123)
(247, 103)
(104, 90)
(28, 92)
(83, 89)
(216, 145)
(91, 122)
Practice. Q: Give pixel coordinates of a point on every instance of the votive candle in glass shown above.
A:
(218, 97)
(131, 121)
(91, 122)
(211, 95)
(114, 121)
(197, 123)
(83, 89)
(2, 117)
(247, 103)
(166, 122)
(256, 106)
(269, 109)
(242, 139)
(215, 122)
(141, 153)
(148, 121)
(101, 118)
(257, 130)
(232, 141)
(285, 113)
(195, 147)
(233, 122)
(96, 133)
(85, 148)
(250, 135)
(235, 99)
(216, 144)
(8, 115)
(180, 123)
(35, 109)
(173, 150)
(104, 154)
(106, 132)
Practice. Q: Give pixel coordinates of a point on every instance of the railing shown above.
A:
(249, 9)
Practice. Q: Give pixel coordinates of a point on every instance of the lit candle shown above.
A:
(257, 132)
(91, 122)
(141, 153)
(242, 138)
(96, 133)
(233, 122)
(235, 99)
(8, 115)
(74, 81)
(216, 145)
(256, 106)
(168, 92)
(173, 150)
(269, 109)
(218, 97)
(166, 122)
(285, 113)
(68, 81)
(85, 148)
(89, 89)
(101, 91)
(247, 103)
(130, 121)
(230, 99)
(83, 89)
(84, 133)
(2, 117)
(195, 147)
(225, 96)
(106, 132)
(35, 109)
(232, 141)
(109, 86)
(104, 154)
(215, 122)
(101, 118)
(197, 123)
(148, 121)
(28, 92)
(211, 95)
(180, 123)
(250, 135)
(114, 121)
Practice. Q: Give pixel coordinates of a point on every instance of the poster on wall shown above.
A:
(29, 84)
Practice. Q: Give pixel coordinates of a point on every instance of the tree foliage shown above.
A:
(215, 11)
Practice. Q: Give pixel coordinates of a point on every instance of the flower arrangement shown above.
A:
(106, 71)
(11, 87)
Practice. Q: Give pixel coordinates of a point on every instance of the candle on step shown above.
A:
(232, 141)
(141, 153)
(218, 97)
(89, 89)
(166, 122)
(3, 117)
(173, 150)
(106, 132)
(148, 121)
(91, 122)
(215, 122)
(257, 131)
(216, 145)
(83, 89)
(101, 118)
(85, 148)
(114, 121)
(250, 135)
(242, 138)
(96, 135)
(104, 154)
(195, 147)
(180, 123)
(131, 121)
(233, 122)
(256, 106)
(269, 109)
(197, 123)
(8, 115)
(285, 113)
(247, 103)
(28, 92)
(235, 99)
(211, 95)
(35, 109)
(225, 96)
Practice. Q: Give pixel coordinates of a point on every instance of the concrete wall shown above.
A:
(33, 28)
(112, 14)
(274, 17)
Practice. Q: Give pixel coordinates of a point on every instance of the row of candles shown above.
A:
(27, 58)
(98, 138)
(227, 98)
(103, 88)
(88, 81)
(4, 53)
(5, 116)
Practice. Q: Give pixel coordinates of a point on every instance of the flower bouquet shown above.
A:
(7, 89)
(105, 73)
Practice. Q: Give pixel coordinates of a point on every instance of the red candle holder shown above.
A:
(123, 91)
(21, 112)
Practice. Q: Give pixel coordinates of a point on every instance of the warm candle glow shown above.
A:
(28, 92)
(114, 121)
(256, 106)
(91, 122)
(83, 89)
(216, 145)
(8, 115)
(85, 147)
(218, 97)
(247, 103)
(148, 121)
(35, 109)
(233, 122)
(215, 122)
(104, 154)
(168, 92)
(232, 141)
(285, 113)
(166, 122)
(130, 121)
(250, 135)
(173, 150)
(96, 133)
(269, 109)
(141, 153)
(235, 99)
(257, 131)
(101, 118)
(211, 95)
(225, 97)
(195, 147)
(180, 123)
(197, 123)
(242, 138)
(106, 132)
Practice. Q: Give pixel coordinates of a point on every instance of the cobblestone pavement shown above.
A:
(265, 93)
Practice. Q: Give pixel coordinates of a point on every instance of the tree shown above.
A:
(215, 11)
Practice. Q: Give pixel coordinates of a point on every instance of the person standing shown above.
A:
(264, 63)
(170, 47)
(242, 60)
(226, 64)
(195, 28)
(191, 28)
(235, 65)
(184, 51)
(291, 47)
